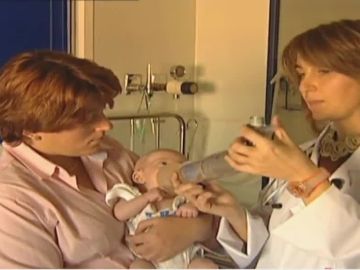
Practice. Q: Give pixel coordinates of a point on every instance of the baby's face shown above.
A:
(157, 160)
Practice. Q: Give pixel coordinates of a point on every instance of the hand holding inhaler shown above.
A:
(270, 157)
(211, 167)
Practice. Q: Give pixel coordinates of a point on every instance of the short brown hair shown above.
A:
(51, 91)
(335, 46)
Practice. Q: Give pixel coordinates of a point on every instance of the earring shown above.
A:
(35, 137)
(31, 136)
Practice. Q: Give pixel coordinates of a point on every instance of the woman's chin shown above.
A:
(319, 117)
(92, 149)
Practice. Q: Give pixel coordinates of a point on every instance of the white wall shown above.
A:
(231, 55)
(130, 34)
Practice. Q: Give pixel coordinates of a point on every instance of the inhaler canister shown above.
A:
(215, 166)
(211, 167)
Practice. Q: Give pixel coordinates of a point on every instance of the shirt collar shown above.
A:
(31, 159)
(42, 167)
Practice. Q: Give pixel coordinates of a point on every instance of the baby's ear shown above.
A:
(138, 177)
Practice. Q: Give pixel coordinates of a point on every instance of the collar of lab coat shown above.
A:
(351, 165)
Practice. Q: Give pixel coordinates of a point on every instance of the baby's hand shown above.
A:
(187, 210)
(154, 195)
(210, 198)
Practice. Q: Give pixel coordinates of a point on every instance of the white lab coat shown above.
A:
(323, 234)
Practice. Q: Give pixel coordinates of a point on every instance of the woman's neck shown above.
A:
(66, 162)
(349, 127)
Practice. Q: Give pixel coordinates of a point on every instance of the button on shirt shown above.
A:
(48, 222)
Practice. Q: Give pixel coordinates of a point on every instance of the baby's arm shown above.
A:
(216, 201)
(124, 210)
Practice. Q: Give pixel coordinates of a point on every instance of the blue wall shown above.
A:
(32, 24)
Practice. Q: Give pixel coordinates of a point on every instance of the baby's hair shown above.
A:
(143, 158)
(165, 150)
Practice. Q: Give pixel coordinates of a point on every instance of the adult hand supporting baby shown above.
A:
(212, 199)
(159, 239)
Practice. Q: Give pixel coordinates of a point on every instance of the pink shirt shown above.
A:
(47, 222)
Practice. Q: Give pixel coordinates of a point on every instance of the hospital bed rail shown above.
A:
(156, 118)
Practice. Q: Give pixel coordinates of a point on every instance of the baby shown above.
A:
(146, 199)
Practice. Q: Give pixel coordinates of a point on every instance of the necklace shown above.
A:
(331, 146)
